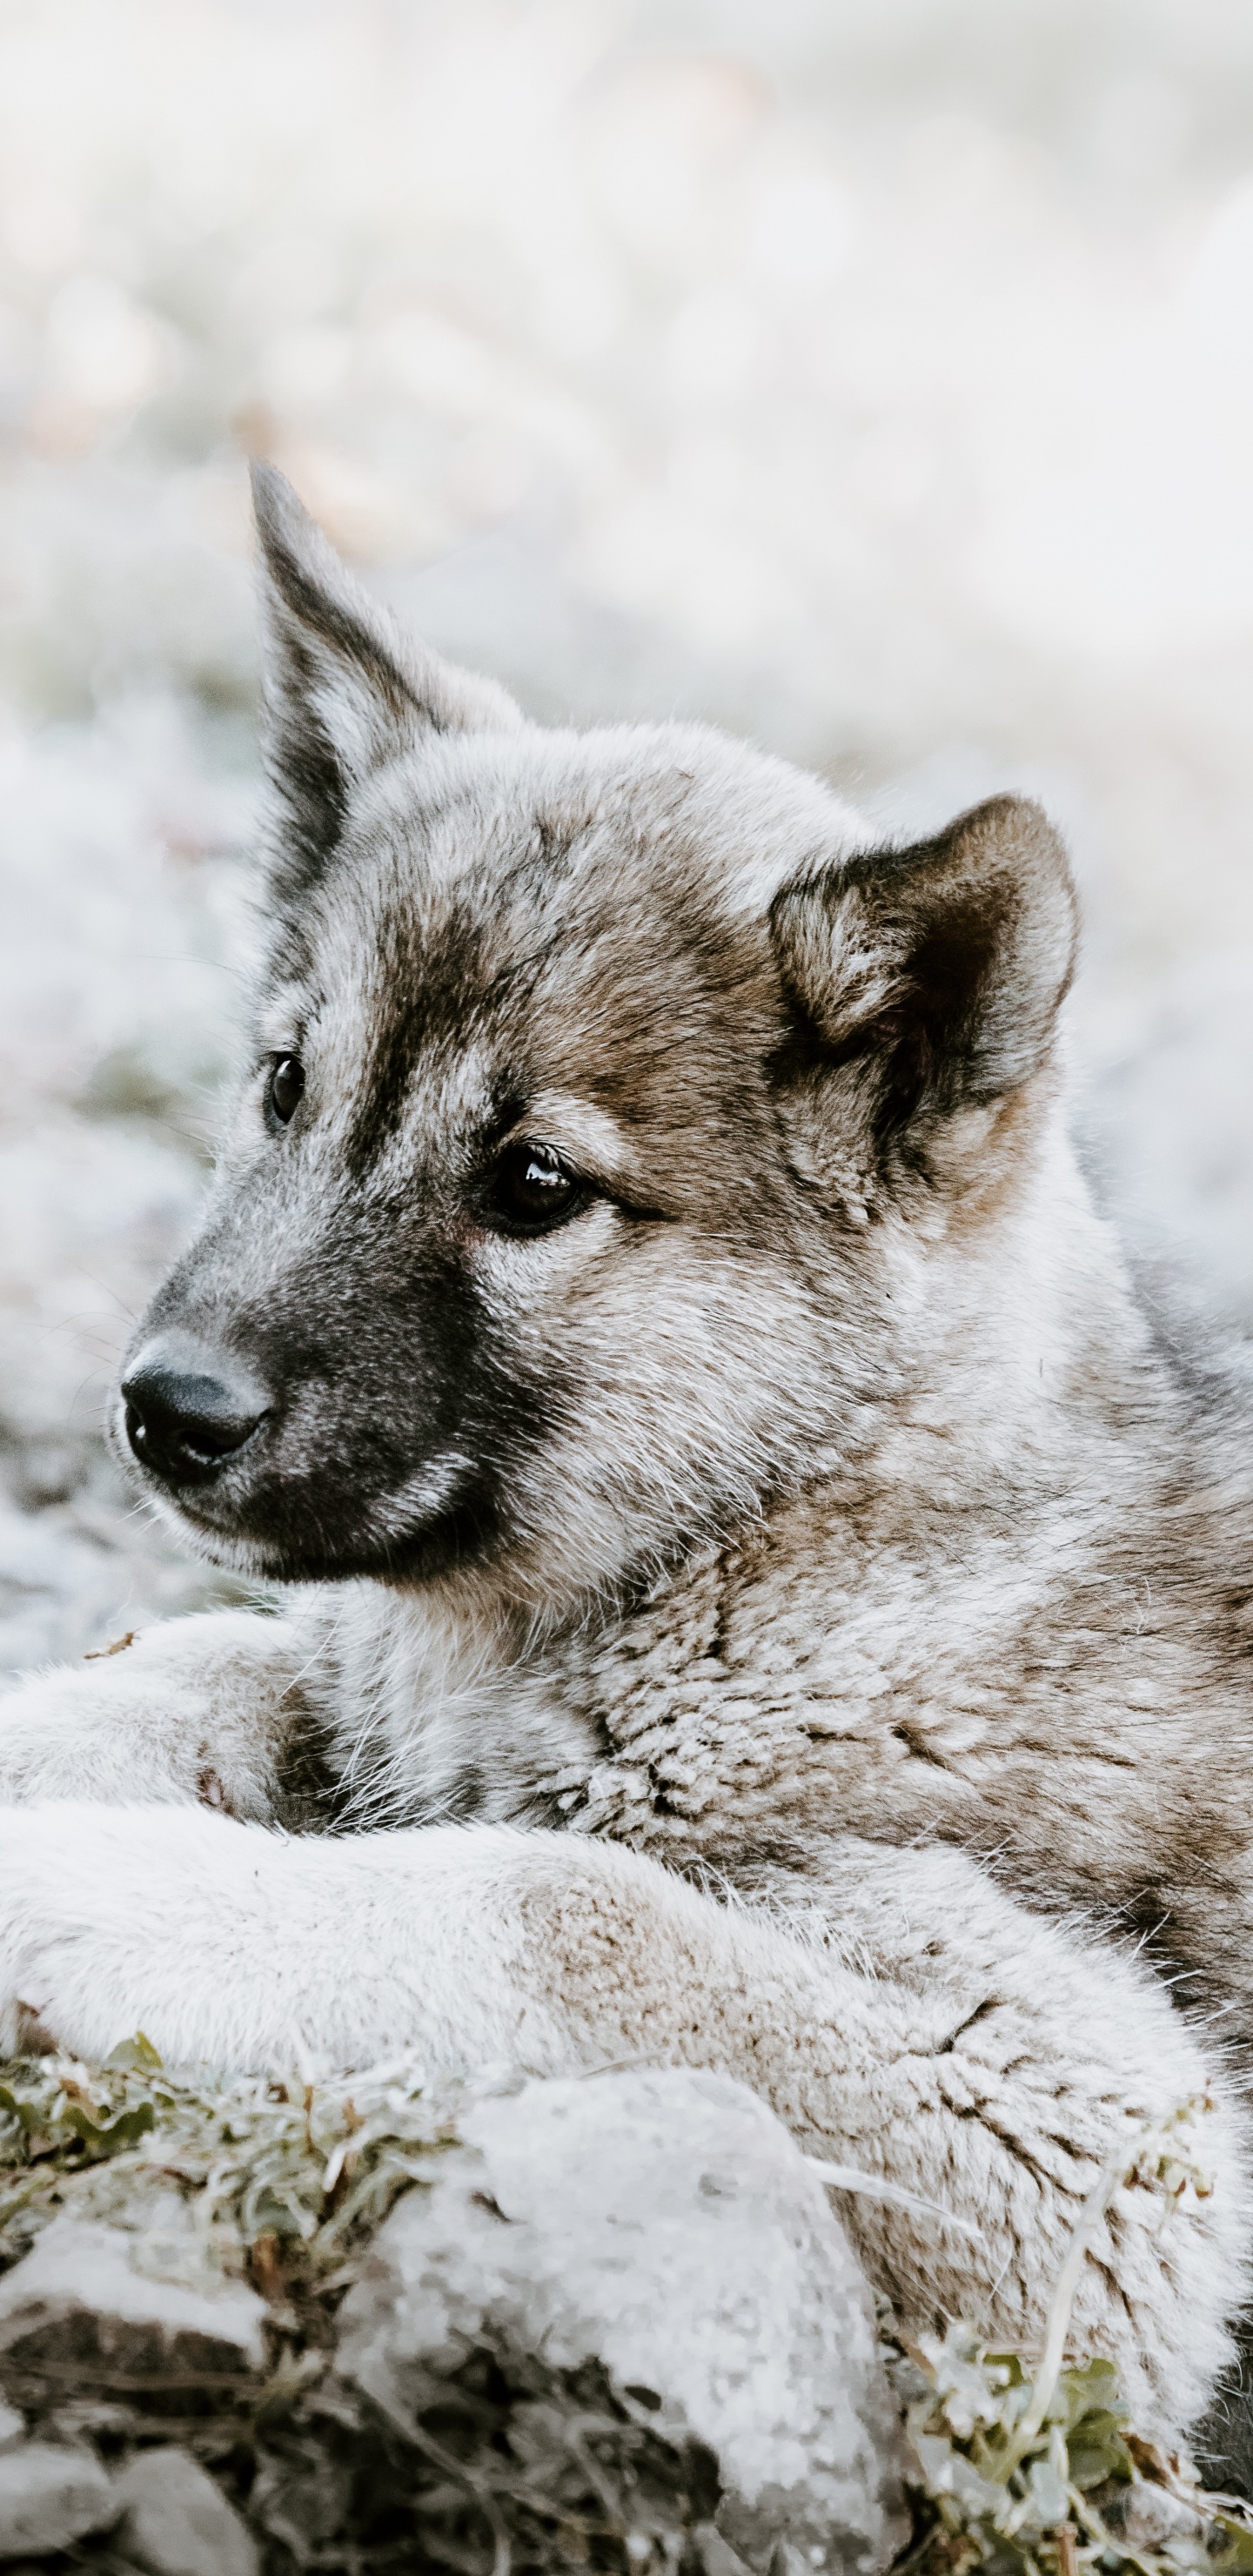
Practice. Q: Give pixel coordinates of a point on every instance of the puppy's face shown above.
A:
(523, 1255)
(503, 1250)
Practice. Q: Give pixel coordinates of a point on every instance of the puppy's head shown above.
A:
(593, 1081)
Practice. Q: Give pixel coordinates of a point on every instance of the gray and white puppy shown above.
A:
(761, 1596)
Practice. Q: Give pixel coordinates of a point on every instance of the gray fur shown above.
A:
(813, 1513)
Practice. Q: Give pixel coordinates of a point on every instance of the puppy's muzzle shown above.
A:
(189, 1410)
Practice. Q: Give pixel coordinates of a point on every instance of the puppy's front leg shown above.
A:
(201, 1710)
(998, 2093)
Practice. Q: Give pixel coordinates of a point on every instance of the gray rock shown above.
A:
(664, 2224)
(50, 2498)
(100, 2302)
(178, 2523)
(12, 2428)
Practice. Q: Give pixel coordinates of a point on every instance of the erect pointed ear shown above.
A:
(924, 980)
(344, 689)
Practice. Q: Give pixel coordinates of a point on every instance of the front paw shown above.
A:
(47, 1881)
(92, 1947)
(170, 1920)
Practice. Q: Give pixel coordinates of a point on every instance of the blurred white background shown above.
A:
(872, 376)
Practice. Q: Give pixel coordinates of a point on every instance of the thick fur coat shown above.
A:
(758, 1594)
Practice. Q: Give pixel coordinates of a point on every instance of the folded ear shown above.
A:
(925, 980)
(344, 689)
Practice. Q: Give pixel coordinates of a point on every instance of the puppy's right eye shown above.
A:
(286, 1083)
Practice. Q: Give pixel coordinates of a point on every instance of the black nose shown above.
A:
(188, 1409)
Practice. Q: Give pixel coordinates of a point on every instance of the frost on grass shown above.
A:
(1025, 2465)
(508, 2464)
(1077, 2488)
(283, 2179)
(1029, 2468)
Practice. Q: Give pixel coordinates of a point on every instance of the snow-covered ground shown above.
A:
(877, 379)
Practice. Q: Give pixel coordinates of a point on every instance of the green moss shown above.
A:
(304, 2171)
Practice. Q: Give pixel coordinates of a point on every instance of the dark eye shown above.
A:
(287, 1081)
(532, 1190)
